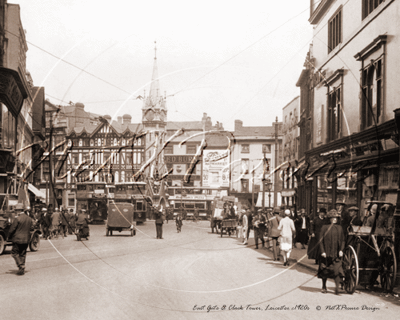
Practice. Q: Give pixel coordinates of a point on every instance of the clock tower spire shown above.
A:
(154, 111)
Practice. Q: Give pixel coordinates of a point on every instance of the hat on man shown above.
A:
(56, 209)
(44, 209)
(374, 208)
(353, 208)
(287, 212)
(19, 206)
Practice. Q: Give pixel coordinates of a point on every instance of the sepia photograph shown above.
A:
(199, 160)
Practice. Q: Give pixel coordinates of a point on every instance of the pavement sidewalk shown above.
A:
(300, 256)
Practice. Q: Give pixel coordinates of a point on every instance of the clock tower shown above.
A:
(154, 120)
(154, 110)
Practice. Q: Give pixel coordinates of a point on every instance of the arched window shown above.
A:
(116, 176)
(122, 176)
(123, 142)
(99, 142)
(115, 142)
(91, 142)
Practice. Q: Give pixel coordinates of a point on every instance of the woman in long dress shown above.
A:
(286, 227)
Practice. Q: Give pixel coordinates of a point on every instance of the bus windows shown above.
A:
(90, 187)
(189, 205)
(81, 187)
(200, 205)
(99, 187)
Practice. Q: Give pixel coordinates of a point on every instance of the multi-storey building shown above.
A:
(248, 167)
(22, 104)
(354, 155)
(291, 132)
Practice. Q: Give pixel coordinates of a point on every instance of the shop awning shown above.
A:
(39, 194)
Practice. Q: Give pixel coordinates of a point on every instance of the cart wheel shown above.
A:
(388, 269)
(350, 266)
(2, 244)
(35, 242)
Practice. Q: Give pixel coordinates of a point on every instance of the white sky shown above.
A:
(230, 59)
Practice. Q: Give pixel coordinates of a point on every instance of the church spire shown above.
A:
(154, 108)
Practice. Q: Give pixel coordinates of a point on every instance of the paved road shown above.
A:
(190, 275)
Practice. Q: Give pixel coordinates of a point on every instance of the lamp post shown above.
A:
(268, 187)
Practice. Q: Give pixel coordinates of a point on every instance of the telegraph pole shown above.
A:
(263, 182)
(276, 163)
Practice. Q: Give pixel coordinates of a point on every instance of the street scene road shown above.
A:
(194, 274)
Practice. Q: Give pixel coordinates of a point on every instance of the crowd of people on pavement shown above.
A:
(324, 236)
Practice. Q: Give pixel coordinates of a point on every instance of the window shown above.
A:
(245, 148)
(266, 148)
(368, 6)
(372, 59)
(191, 149)
(245, 166)
(71, 202)
(335, 30)
(245, 185)
(334, 114)
(371, 98)
(169, 150)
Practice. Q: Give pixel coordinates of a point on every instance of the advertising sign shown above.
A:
(216, 168)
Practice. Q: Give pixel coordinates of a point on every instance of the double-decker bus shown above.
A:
(136, 194)
(92, 196)
(190, 198)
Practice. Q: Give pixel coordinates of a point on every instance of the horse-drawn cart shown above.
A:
(370, 253)
(228, 226)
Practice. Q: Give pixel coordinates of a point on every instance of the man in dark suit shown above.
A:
(159, 223)
(302, 224)
(20, 236)
(332, 243)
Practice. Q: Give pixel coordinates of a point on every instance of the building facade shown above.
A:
(291, 134)
(21, 112)
(249, 169)
(354, 154)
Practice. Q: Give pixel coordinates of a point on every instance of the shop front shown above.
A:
(355, 169)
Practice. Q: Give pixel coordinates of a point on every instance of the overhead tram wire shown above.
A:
(127, 92)
(248, 47)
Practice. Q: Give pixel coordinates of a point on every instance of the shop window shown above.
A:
(368, 6)
(245, 148)
(71, 202)
(335, 30)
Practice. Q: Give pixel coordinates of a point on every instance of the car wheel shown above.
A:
(35, 242)
(2, 244)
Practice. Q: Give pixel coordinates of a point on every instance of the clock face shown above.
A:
(150, 115)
